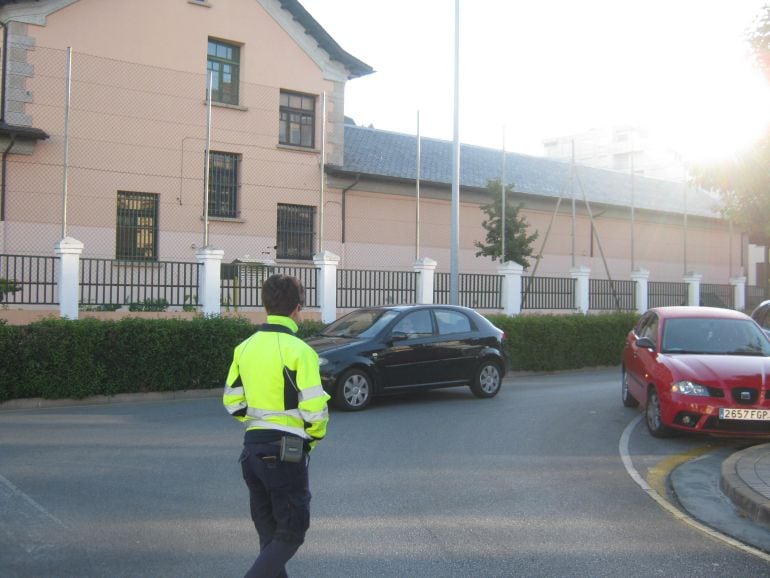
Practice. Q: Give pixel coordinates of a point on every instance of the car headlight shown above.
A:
(690, 388)
(322, 361)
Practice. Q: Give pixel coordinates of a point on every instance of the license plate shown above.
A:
(744, 414)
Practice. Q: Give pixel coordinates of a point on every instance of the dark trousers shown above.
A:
(279, 496)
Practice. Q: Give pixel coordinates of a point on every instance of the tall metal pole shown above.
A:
(322, 184)
(454, 277)
(502, 203)
(417, 194)
(633, 207)
(684, 236)
(207, 161)
(66, 143)
(572, 193)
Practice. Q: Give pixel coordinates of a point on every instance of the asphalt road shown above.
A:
(437, 484)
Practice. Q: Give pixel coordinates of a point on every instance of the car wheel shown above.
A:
(653, 415)
(628, 399)
(488, 380)
(354, 390)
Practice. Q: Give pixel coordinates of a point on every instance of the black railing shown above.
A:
(364, 288)
(28, 280)
(666, 293)
(478, 291)
(755, 295)
(547, 293)
(713, 295)
(142, 284)
(611, 295)
(242, 283)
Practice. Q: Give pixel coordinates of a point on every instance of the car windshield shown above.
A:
(362, 323)
(714, 337)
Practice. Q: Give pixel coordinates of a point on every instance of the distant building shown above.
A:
(619, 149)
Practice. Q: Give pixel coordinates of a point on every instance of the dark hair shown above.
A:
(281, 294)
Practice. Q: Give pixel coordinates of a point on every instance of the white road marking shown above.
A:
(663, 503)
(26, 522)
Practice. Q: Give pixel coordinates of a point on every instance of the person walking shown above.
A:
(274, 388)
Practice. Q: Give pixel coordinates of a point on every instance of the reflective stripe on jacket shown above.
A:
(274, 382)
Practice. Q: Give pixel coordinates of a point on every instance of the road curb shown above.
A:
(40, 403)
(740, 481)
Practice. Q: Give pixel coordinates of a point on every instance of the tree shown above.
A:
(518, 245)
(743, 181)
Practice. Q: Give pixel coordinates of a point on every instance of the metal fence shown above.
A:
(476, 291)
(665, 293)
(107, 283)
(714, 295)
(363, 288)
(611, 295)
(548, 293)
(28, 280)
(241, 283)
(755, 295)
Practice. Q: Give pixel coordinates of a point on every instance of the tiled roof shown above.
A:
(390, 155)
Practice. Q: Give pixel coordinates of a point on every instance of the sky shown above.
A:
(538, 69)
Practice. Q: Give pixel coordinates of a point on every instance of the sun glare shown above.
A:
(730, 115)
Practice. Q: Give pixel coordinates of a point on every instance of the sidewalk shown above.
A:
(745, 479)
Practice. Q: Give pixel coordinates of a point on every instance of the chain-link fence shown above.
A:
(135, 169)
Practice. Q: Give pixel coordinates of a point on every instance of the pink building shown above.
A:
(137, 129)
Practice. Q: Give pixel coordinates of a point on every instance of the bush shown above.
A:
(58, 358)
(556, 342)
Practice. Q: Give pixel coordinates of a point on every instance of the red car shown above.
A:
(698, 369)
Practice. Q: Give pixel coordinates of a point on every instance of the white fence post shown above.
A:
(69, 251)
(693, 288)
(327, 262)
(512, 273)
(581, 275)
(425, 268)
(641, 277)
(210, 280)
(739, 287)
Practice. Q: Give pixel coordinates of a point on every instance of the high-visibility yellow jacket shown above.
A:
(274, 383)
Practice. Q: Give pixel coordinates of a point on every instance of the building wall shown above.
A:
(137, 122)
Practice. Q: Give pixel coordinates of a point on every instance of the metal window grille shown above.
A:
(223, 185)
(297, 120)
(137, 226)
(295, 232)
(224, 62)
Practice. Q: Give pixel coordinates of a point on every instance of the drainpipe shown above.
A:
(344, 196)
(5, 71)
(3, 182)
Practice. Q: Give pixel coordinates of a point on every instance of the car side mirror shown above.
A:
(398, 336)
(645, 342)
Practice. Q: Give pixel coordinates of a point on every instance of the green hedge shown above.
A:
(57, 358)
(556, 342)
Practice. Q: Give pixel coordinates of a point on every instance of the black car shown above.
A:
(762, 315)
(383, 350)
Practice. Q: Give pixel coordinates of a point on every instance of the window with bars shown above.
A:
(224, 60)
(223, 184)
(297, 120)
(137, 226)
(295, 232)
